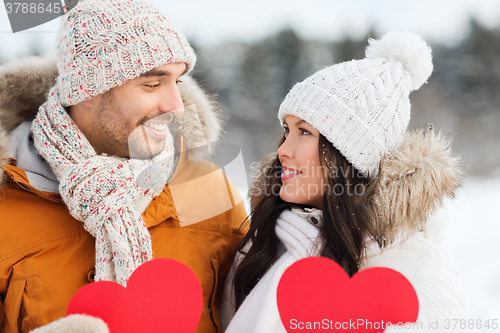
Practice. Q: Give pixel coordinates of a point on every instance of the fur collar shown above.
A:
(412, 185)
(24, 84)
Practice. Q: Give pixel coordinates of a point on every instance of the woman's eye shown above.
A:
(304, 132)
(152, 85)
(178, 81)
(287, 130)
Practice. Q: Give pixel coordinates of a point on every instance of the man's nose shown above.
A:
(171, 101)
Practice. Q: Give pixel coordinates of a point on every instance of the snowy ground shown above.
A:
(472, 238)
(473, 235)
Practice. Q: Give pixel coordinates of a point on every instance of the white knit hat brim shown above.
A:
(361, 147)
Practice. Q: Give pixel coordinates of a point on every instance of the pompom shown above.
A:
(409, 49)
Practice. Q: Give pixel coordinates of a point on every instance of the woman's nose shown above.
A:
(286, 149)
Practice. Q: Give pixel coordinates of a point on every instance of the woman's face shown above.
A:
(302, 177)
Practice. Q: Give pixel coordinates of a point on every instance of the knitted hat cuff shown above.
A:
(359, 145)
(104, 43)
(114, 69)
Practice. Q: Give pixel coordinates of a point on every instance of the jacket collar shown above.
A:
(162, 206)
(38, 171)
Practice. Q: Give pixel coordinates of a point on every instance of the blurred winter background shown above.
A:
(251, 53)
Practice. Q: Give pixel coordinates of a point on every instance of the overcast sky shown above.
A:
(215, 21)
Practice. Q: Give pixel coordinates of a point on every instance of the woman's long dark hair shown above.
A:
(347, 219)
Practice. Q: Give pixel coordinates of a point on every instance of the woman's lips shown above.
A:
(289, 173)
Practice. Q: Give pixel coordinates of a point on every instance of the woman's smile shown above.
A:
(289, 173)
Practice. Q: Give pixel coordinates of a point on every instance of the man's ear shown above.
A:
(82, 112)
(90, 103)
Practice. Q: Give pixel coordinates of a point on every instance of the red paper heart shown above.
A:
(316, 294)
(162, 295)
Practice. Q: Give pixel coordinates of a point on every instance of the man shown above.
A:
(104, 171)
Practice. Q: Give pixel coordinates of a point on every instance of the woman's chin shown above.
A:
(290, 198)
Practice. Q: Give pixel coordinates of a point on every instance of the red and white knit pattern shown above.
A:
(104, 43)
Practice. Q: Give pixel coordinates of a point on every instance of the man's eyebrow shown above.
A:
(159, 72)
(156, 72)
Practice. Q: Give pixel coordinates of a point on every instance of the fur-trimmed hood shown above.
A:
(24, 85)
(412, 184)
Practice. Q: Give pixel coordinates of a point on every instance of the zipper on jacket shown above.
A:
(212, 296)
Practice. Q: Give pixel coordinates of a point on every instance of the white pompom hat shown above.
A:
(362, 106)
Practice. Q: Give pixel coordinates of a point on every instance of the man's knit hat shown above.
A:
(362, 106)
(104, 43)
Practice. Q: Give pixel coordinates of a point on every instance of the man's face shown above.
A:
(131, 120)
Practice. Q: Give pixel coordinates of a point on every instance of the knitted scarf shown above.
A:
(102, 191)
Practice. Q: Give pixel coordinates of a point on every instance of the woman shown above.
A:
(349, 183)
